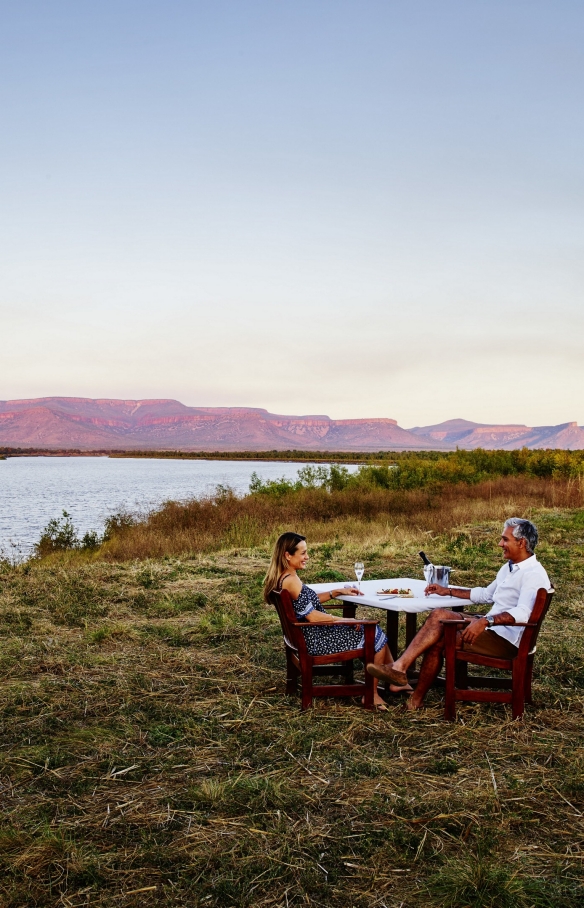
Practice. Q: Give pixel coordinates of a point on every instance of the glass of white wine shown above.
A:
(359, 571)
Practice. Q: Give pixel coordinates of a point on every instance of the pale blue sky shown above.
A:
(316, 206)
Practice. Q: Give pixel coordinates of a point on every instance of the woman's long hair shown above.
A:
(287, 542)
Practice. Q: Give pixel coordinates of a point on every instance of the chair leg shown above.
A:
(306, 686)
(348, 672)
(291, 675)
(450, 680)
(528, 680)
(518, 693)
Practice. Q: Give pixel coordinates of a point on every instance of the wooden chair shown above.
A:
(300, 664)
(516, 689)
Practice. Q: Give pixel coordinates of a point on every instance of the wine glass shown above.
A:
(359, 571)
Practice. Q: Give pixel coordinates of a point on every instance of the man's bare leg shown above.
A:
(429, 635)
(429, 671)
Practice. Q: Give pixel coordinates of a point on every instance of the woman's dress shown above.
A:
(334, 638)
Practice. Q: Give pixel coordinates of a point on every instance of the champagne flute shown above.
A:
(359, 571)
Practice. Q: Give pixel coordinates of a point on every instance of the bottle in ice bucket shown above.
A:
(428, 567)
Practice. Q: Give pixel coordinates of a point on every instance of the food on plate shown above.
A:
(396, 592)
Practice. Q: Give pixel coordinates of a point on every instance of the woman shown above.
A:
(290, 555)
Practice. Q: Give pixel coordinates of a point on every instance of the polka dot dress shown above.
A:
(323, 641)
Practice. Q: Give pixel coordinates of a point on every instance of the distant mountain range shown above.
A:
(84, 424)
(464, 434)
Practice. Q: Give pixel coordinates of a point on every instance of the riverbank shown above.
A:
(294, 456)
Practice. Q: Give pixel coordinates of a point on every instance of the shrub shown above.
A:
(58, 536)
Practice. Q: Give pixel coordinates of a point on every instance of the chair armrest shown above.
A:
(499, 623)
(347, 609)
(341, 621)
(517, 624)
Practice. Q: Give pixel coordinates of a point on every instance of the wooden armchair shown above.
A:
(299, 662)
(516, 689)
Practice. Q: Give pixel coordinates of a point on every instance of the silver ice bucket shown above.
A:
(437, 573)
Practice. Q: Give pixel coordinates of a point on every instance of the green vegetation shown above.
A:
(289, 455)
(149, 755)
(420, 467)
(421, 470)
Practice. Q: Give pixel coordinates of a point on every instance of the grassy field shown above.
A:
(150, 757)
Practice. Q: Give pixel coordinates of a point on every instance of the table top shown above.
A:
(372, 598)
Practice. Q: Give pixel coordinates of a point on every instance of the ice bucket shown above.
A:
(437, 573)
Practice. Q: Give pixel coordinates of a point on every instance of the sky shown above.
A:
(360, 208)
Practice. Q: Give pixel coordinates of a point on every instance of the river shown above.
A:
(35, 489)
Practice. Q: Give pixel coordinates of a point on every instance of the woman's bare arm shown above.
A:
(334, 594)
(294, 586)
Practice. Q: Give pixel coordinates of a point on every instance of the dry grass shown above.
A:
(149, 756)
(256, 520)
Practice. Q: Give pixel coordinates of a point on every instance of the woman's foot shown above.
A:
(378, 703)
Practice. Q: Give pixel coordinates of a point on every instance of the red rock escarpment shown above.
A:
(106, 424)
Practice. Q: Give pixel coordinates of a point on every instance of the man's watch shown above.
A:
(490, 619)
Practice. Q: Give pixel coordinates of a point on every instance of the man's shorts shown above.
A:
(489, 643)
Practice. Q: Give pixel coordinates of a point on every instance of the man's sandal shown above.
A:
(387, 673)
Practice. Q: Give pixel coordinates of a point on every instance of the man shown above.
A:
(512, 593)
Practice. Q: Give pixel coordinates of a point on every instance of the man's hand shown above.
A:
(437, 590)
(473, 629)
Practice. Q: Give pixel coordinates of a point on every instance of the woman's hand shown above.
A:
(346, 591)
(334, 594)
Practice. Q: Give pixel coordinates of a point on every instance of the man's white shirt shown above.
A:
(513, 590)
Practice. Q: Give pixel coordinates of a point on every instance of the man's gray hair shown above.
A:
(524, 529)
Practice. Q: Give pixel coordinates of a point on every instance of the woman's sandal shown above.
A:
(380, 707)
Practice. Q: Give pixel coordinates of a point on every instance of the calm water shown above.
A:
(35, 489)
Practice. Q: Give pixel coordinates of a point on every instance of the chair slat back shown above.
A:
(282, 602)
(538, 613)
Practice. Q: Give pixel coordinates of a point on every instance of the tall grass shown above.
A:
(150, 757)
(226, 521)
